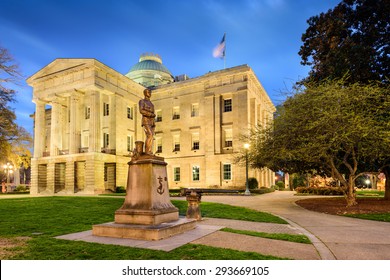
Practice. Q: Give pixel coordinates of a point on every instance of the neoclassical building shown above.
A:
(87, 120)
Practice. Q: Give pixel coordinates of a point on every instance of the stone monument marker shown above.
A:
(147, 212)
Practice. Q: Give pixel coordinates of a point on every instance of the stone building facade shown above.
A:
(87, 120)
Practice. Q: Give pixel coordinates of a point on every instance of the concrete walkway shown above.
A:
(334, 237)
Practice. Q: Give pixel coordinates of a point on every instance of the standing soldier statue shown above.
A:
(146, 108)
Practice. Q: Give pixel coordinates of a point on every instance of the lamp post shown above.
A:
(246, 147)
(9, 169)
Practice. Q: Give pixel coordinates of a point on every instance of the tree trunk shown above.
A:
(350, 195)
(386, 171)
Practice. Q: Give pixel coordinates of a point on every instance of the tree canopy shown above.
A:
(352, 38)
(12, 137)
(331, 128)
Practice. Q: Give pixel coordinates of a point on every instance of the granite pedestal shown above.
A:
(147, 212)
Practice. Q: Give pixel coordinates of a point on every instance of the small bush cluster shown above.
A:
(281, 185)
(320, 190)
(21, 188)
(177, 192)
(120, 189)
(253, 183)
(263, 190)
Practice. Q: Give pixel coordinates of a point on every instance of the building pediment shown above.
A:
(64, 76)
(59, 67)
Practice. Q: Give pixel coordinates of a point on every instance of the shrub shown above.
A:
(320, 190)
(298, 181)
(275, 187)
(280, 184)
(120, 189)
(20, 188)
(253, 183)
(263, 190)
(176, 192)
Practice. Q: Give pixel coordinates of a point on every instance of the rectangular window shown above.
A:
(195, 173)
(227, 105)
(159, 145)
(106, 140)
(176, 143)
(195, 110)
(106, 109)
(227, 171)
(158, 116)
(129, 143)
(176, 174)
(130, 113)
(176, 113)
(228, 137)
(87, 112)
(195, 141)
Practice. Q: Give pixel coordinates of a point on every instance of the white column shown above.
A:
(39, 129)
(94, 123)
(217, 125)
(74, 127)
(112, 121)
(55, 129)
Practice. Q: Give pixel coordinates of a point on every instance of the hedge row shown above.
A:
(263, 190)
(320, 190)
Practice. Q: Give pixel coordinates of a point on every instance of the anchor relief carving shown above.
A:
(160, 188)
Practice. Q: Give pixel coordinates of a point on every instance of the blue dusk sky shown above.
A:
(265, 34)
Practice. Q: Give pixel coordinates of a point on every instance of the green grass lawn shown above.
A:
(43, 218)
(279, 236)
(382, 217)
(53, 249)
(224, 211)
(369, 193)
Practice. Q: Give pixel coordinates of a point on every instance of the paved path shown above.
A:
(334, 237)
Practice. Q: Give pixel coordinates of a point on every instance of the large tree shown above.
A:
(11, 135)
(330, 128)
(352, 38)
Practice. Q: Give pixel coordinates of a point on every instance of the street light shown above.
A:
(367, 182)
(246, 147)
(8, 168)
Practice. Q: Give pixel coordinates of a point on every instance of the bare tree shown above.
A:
(10, 133)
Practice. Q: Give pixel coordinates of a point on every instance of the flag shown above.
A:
(219, 51)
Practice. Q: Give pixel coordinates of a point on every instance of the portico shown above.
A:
(70, 153)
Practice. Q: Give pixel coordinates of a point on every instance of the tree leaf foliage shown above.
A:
(352, 38)
(331, 128)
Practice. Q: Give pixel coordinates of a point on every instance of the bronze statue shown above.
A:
(146, 108)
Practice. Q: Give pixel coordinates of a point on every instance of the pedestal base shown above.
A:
(144, 232)
(146, 217)
(147, 212)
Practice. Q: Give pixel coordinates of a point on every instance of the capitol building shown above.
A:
(87, 121)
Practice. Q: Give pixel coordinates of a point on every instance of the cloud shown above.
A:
(10, 31)
(258, 5)
(275, 4)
